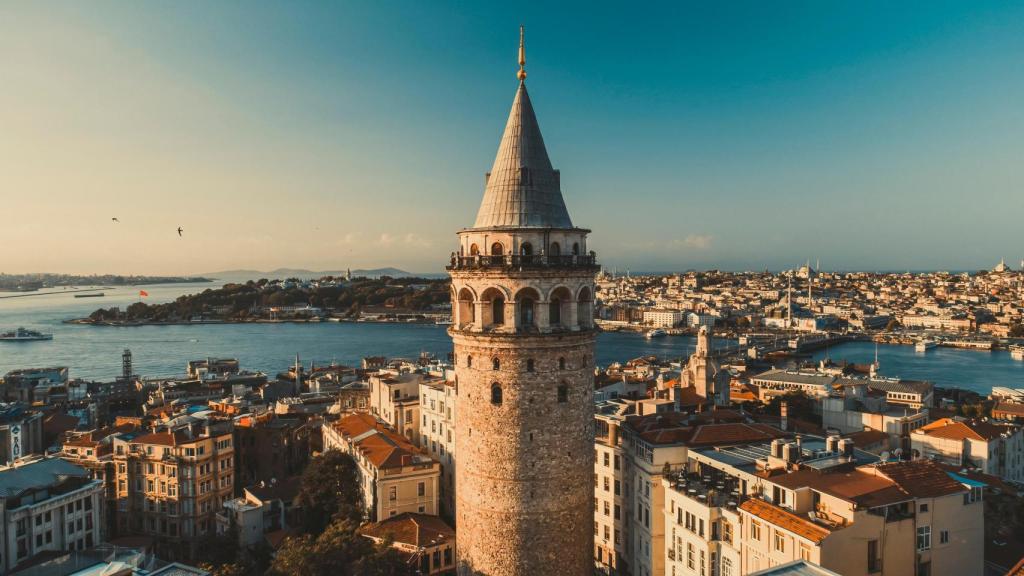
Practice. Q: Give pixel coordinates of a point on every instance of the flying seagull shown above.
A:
(179, 230)
(115, 219)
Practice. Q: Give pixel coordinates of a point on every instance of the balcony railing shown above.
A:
(512, 261)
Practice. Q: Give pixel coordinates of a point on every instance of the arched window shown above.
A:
(474, 250)
(496, 394)
(561, 363)
(526, 249)
(563, 392)
(529, 365)
(498, 311)
(496, 364)
(575, 248)
(555, 249)
(559, 313)
(584, 310)
(526, 312)
(526, 308)
(469, 361)
(466, 309)
(497, 249)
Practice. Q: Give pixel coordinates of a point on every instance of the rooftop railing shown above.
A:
(511, 261)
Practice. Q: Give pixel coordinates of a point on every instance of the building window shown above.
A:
(944, 537)
(495, 364)
(873, 556)
(726, 566)
(496, 394)
(529, 365)
(421, 489)
(755, 529)
(924, 538)
(805, 552)
(563, 394)
(497, 249)
(924, 508)
(561, 363)
(780, 542)
(393, 493)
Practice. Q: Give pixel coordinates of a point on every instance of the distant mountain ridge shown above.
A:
(301, 273)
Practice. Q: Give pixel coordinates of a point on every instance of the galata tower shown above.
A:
(522, 301)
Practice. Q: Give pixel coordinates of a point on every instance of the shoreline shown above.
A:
(131, 324)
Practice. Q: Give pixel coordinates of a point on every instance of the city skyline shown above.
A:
(357, 137)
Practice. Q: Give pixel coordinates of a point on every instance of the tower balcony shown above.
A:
(524, 261)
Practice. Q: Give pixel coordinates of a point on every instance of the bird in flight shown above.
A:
(179, 230)
(115, 219)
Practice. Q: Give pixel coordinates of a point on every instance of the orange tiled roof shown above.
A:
(384, 448)
(920, 478)
(959, 430)
(785, 519)
(408, 528)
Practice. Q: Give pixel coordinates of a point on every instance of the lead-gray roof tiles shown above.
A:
(522, 190)
(14, 481)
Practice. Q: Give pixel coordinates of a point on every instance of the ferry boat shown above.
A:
(24, 335)
(1017, 351)
(97, 295)
(925, 345)
(656, 333)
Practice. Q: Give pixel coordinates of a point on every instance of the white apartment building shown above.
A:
(996, 449)
(437, 435)
(662, 318)
(47, 505)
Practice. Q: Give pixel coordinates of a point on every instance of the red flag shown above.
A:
(143, 293)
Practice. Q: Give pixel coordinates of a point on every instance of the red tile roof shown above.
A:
(418, 530)
(959, 430)
(920, 478)
(786, 520)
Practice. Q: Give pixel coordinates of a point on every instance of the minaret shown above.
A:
(522, 290)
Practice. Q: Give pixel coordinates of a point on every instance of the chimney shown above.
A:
(789, 452)
(831, 443)
(846, 446)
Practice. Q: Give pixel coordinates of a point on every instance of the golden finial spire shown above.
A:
(522, 57)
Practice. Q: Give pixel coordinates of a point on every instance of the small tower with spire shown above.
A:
(523, 334)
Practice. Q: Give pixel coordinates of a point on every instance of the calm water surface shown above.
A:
(94, 352)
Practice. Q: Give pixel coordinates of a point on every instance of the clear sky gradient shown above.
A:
(341, 134)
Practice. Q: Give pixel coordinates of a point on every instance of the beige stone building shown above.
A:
(426, 542)
(172, 483)
(395, 476)
(394, 398)
(522, 294)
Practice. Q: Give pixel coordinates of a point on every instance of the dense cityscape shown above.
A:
(761, 450)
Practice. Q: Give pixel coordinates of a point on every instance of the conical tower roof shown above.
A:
(522, 190)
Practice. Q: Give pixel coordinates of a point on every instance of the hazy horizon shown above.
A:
(689, 136)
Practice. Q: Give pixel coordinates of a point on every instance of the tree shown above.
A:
(892, 325)
(338, 551)
(1017, 331)
(329, 491)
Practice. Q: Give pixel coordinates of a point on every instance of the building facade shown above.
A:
(522, 293)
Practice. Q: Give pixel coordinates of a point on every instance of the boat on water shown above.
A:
(24, 335)
(925, 345)
(656, 333)
(100, 295)
(1017, 351)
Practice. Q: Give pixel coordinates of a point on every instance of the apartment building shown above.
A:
(171, 483)
(663, 318)
(743, 509)
(47, 505)
(437, 435)
(395, 475)
(637, 446)
(394, 398)
(992, 448)
(270, 448)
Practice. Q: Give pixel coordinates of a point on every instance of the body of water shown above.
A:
(94, 352)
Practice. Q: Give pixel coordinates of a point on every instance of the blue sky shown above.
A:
(331, 135)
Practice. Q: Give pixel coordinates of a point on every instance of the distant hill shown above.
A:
(244, 275)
